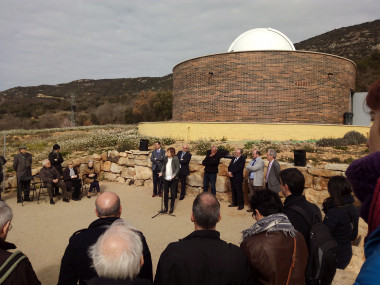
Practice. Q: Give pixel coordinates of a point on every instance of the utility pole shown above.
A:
(73, 108)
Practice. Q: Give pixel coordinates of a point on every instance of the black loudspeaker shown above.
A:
(143, 145)
(299, 157)
(347, 118)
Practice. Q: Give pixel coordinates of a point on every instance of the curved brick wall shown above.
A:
(264, 87)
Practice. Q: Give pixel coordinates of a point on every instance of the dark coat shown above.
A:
(274, 177)
(297, 220)
(202, 258)
(237, 168)
(270, 255)
(23, 273)
(56, 159)
(47, 175)
(175, 167)
(184, 162)
(76, 264)
(211, 163)
(22, 164)
(157, 159)
(343, 224)
(66, 174)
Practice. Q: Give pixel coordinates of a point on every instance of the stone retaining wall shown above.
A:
(134, 168)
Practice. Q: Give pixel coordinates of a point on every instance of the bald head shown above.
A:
(108, 205)
(206, 211)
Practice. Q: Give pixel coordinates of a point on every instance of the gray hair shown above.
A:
(117, 253)
(272, 152)
(45, 161)
(6, 214)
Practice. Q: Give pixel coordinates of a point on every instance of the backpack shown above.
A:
(321, 265)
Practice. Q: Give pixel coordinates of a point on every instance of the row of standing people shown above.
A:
(341, 216)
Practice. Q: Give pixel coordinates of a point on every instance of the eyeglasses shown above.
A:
(10, 227)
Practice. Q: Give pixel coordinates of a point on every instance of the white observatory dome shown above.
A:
(261, 39)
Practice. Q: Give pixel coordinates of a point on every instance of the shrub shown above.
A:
(225, 149)
(354, 135)
(336, 142)
(248, 145)
(127, 144)
(273, 146)
(341, 147)
(201, 147)
(223, 139)
(167, 141)
(334, 160)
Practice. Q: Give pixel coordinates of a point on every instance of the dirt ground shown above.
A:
(42, 230)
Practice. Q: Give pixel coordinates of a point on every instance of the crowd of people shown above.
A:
(52, 176)
(288, 243)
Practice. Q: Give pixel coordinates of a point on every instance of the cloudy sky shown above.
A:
(57, 41)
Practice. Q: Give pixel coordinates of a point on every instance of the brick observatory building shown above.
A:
(263, 79)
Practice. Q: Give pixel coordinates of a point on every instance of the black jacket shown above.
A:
(202, 258)
(56, 159)
(184, 162)
(23, 273)
(22, 163)
(211, 163)
(76, 264)
(297, 220)
(237, 168)
(343, 224)
(66, 174)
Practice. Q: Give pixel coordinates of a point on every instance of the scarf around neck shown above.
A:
(272, 223)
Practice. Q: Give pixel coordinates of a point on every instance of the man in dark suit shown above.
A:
(272, 179)
(76, 263)
(157, 158)
(235, 172)
(184, 157)
(56, 160)
(22, 163)
(202, 257)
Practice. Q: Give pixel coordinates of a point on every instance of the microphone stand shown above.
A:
(162, 212)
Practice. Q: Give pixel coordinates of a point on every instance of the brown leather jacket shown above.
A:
(270, 255)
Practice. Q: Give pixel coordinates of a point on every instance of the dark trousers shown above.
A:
(237, 192)
(172, 184)
(23, 186)
(50, 186)
(182, 178)
(75, 186)
(94, 184)
(209, 178)
(157, 183)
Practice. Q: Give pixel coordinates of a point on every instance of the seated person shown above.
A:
(90, 176)
(72, 181)
(50, 177)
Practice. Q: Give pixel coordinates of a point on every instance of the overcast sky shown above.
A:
(58, 41)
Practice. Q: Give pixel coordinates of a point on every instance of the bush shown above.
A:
(354, 135)
(249, 145)
(127, 144)
(273, 146)
(225, 149)
(201, 147)
(167, 141)
(336, 142)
